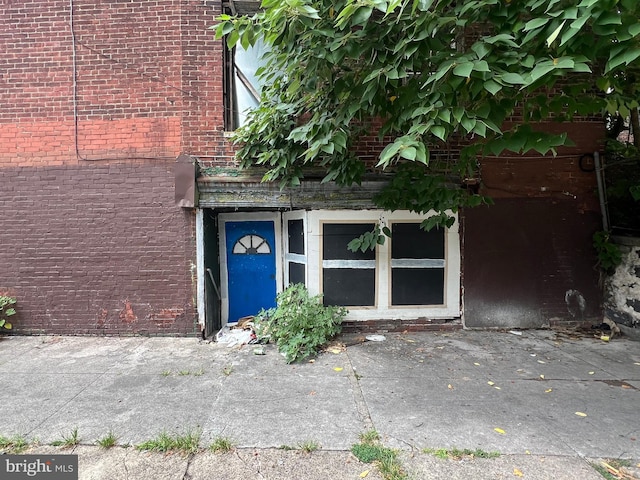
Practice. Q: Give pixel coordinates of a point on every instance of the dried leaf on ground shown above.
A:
(517, 472)
(336, 349)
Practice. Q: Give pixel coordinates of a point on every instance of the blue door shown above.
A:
(251, 267)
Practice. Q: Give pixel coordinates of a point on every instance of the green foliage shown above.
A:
(299, 324)
(186, 444)
(221, 445)
(309, 446)
(108, 441)
(457, 454)
(369, 240)
(68, 441)
(370, 450)
(13, 445)
(370, 437)
(435, 75)
(609, 255)
(6, 311)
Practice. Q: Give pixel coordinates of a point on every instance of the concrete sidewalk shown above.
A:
(514, 394)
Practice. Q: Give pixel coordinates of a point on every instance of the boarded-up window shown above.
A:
(348, 278)
(295, 250)
(417, 265)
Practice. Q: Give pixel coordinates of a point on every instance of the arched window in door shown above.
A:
(252, 245)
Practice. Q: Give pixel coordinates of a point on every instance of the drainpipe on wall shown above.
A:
(601, 191)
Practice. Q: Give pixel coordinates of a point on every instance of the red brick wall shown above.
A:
(148, 80)
(91, 240)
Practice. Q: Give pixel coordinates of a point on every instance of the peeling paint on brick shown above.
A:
(127, 315)
(166, 318)
(622, 289)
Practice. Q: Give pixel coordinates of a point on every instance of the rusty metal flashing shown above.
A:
(251, 192)
(186, 171)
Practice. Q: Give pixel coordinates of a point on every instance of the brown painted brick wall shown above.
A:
(97, 249)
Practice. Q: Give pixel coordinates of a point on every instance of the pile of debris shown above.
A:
(239, 333)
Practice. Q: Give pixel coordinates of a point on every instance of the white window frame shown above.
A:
(294, 257)
(383, 309)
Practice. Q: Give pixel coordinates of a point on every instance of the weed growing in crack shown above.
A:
(370, 450)
(309, 446)
(221, 445)
(108, 441)
(13, 445)
(457, 454)
(187, 443)
(68, 441)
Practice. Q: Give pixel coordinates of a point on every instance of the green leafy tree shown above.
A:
(423, 75)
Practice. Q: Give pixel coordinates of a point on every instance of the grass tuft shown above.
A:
(309, 446)
(370, 450)
(188, 443)
(221, 445)
(68, 441)
(457, 454)
(369, 437)
(13, 445)
(108, 441)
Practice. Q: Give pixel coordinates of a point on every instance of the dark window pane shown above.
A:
(296, 236)
(417, 286)
(408, 240)
(348, 287)
(296, 273)
(336, 237)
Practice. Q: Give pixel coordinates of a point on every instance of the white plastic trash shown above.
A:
(376, 338)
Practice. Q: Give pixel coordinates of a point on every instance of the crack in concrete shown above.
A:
(362, 408)
(124, 464)
(187, 475)
(258, 466)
